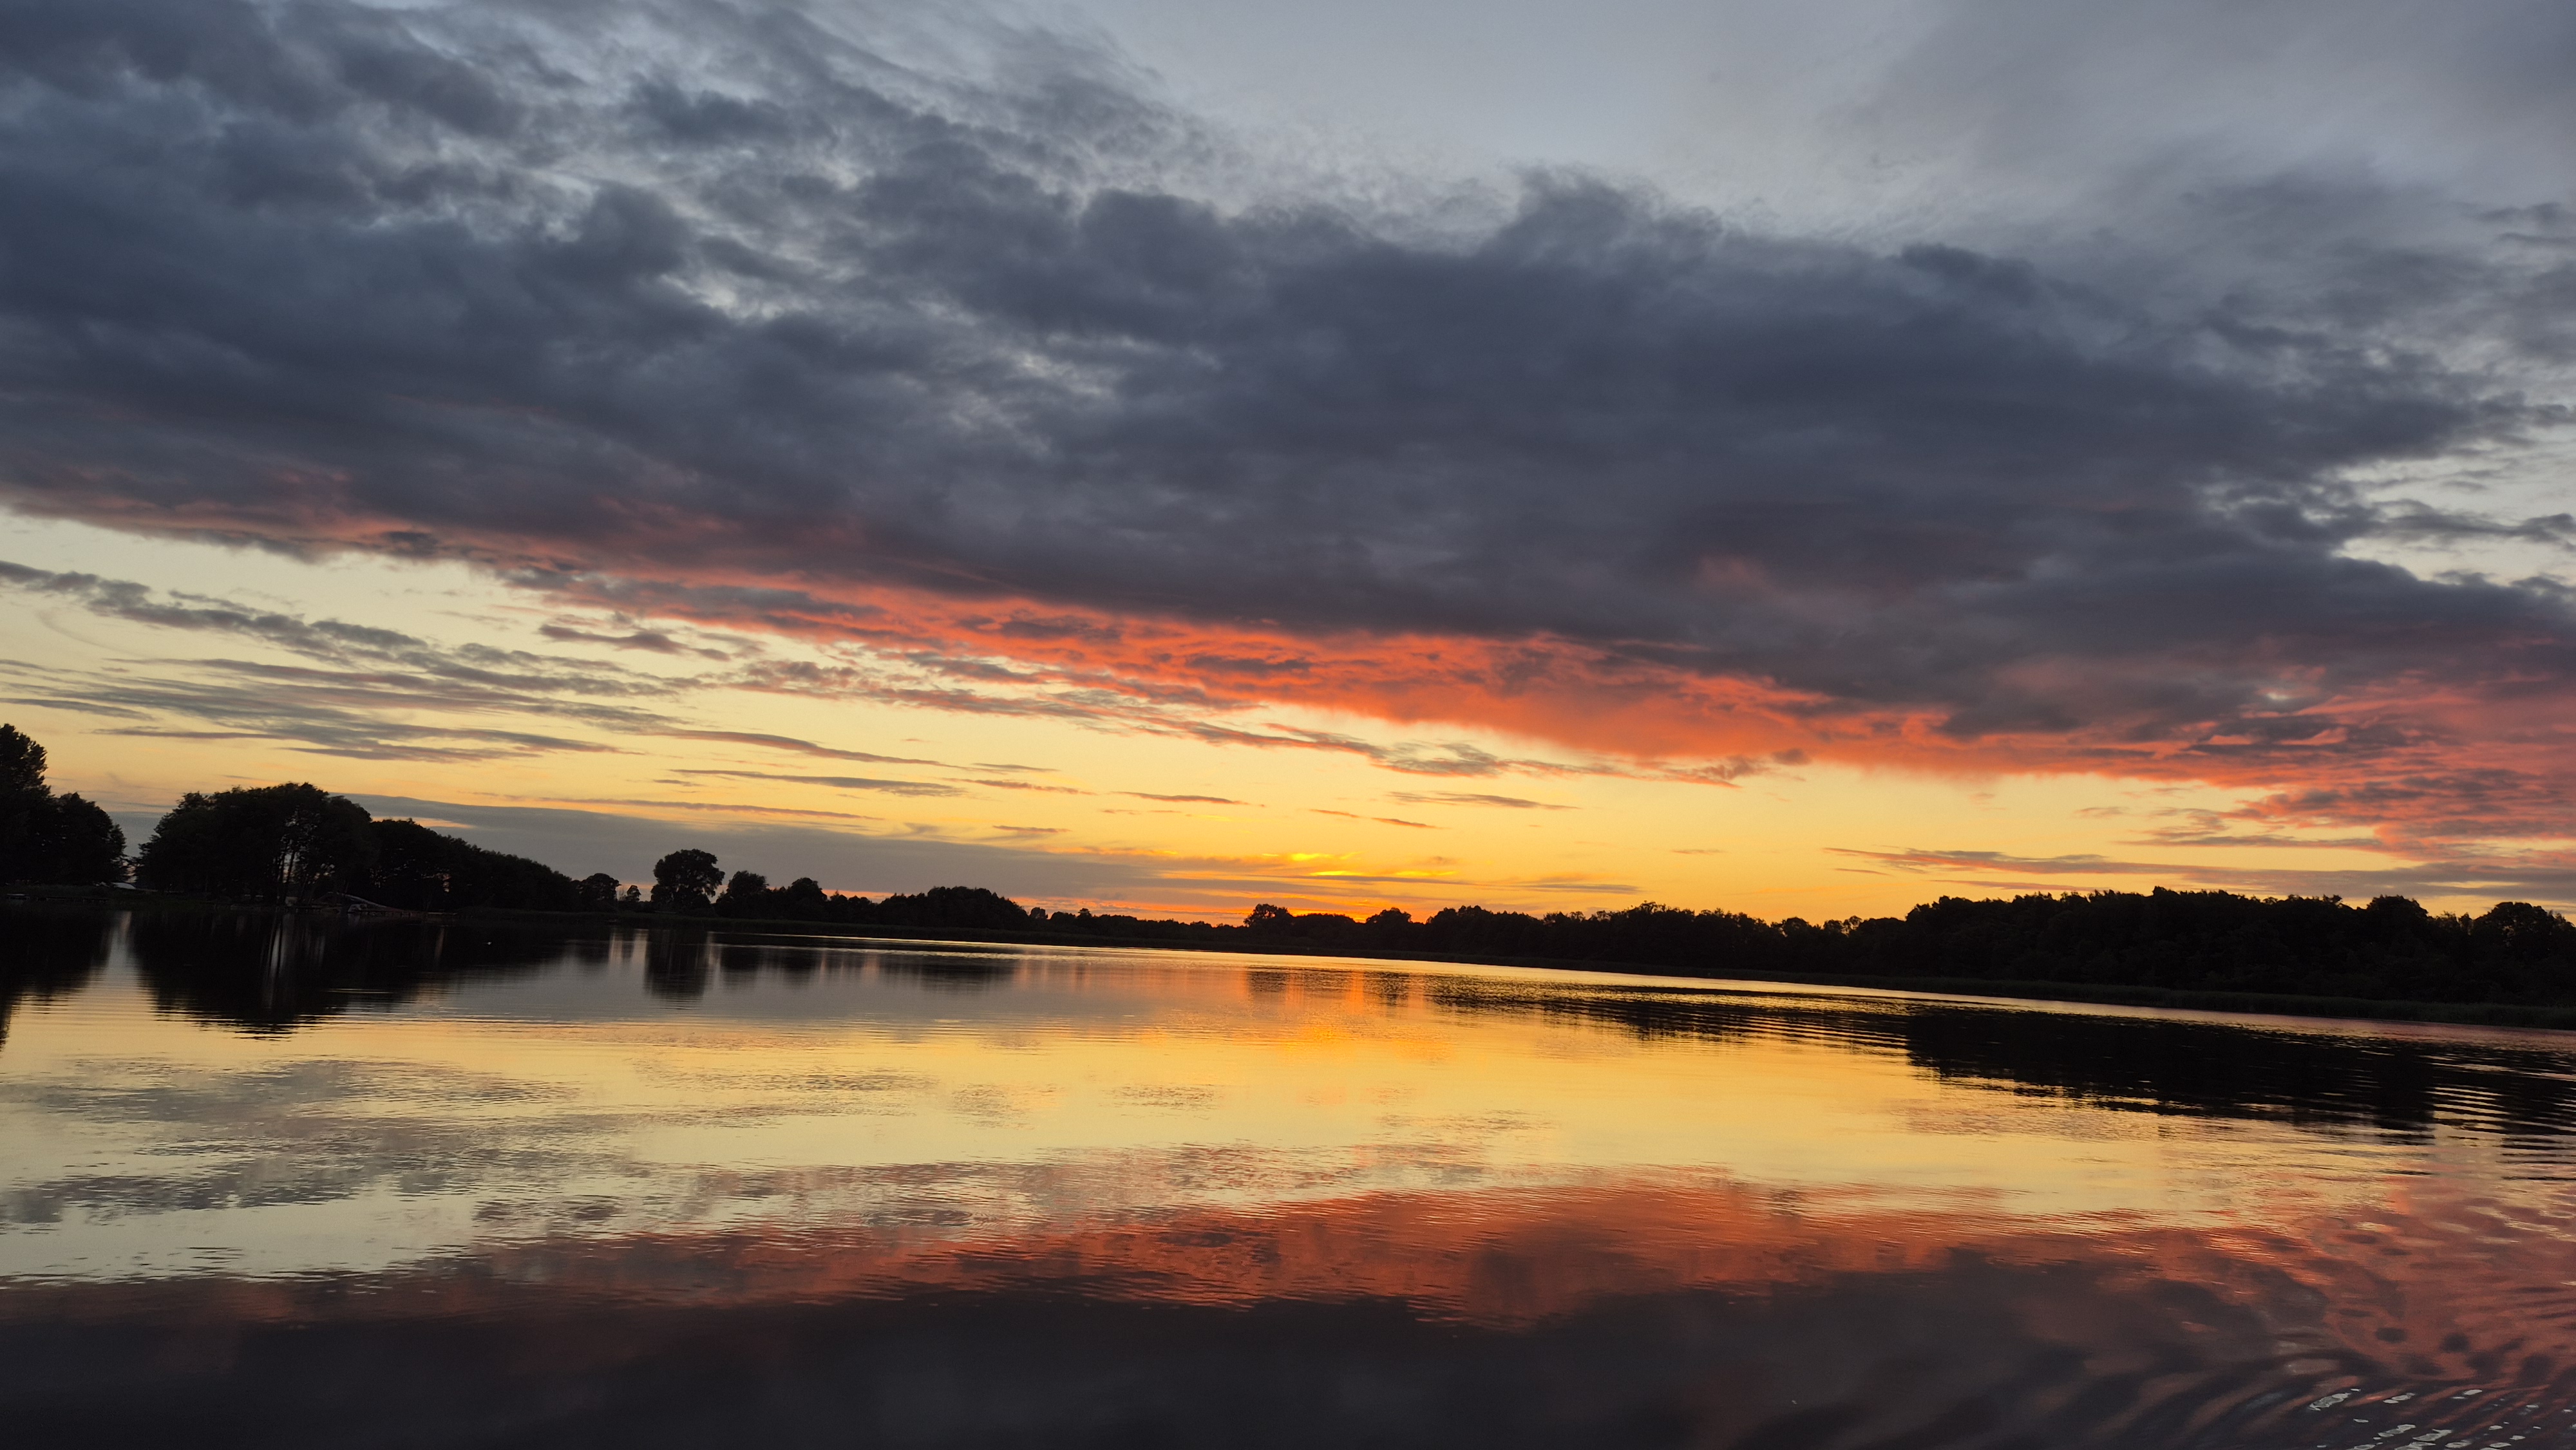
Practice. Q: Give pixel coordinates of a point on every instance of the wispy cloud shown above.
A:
(831, 782)
(1381, 820)
(801, 747)
(1466, 798)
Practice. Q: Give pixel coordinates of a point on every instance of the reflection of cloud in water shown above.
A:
(1640, 1315)
(311, 1132)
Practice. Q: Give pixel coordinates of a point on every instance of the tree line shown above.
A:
(298, 843)
(2390, 948)
(691, 881)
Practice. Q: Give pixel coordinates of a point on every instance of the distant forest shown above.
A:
(298, 843)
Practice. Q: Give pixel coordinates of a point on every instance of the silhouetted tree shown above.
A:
(22, 801)
(425, 870)
(802, 900)
(412, 866)
(22, 763)
(75, 843)
(267, 841)
(1386, 930)
(1264, 920)
(745, 894)
(599, 892)
(686, 880)
(55, 840)
(2520, 932)
(953, 906)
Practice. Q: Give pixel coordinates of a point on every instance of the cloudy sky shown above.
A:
(1134, 452)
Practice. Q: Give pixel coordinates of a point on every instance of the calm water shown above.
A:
(423, 1185)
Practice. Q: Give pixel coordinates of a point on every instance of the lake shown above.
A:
(294, 1183)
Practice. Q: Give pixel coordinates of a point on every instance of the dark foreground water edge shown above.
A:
(295, 1182)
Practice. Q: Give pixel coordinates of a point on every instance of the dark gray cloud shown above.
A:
(736, 294)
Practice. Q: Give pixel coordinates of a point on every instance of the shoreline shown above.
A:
(2366, 1009)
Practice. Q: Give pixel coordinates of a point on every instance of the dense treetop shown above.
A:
(59, 840)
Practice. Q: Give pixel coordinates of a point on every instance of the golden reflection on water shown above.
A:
(2228, 1222)
(1073, 1092)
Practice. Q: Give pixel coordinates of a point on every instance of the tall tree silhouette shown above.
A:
(686, 880)
(61, 840)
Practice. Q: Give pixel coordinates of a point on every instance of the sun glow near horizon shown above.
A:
(596, 742)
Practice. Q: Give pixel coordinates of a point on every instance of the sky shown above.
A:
(1158, 456)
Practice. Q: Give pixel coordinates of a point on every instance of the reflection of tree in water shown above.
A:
(1648, 1015)
(951, 973)
(50, 954)
(740, 960)
(682, 963)
(271, 973)
(1388, 989)
(274, 972)
(2218, 1069)
(675, 964)
(2146, 1064)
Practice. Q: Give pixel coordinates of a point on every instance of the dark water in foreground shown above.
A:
(419, 1185)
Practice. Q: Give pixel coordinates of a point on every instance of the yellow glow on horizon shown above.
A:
(1193, 827)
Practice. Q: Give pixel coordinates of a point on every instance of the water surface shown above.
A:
(289, 1183)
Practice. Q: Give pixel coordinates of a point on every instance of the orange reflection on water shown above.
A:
(1788, 1294)
(983, 1186)
(1067, 1092)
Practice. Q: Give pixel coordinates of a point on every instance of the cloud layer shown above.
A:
(723, 312)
